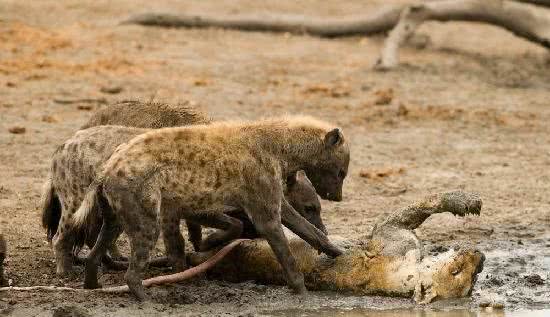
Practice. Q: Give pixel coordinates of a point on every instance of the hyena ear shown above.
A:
(334, 138)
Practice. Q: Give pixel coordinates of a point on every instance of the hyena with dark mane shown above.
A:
(194, 172)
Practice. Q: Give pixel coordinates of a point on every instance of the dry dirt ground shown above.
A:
(470, 110)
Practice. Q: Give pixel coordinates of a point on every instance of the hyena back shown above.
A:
(149, 115)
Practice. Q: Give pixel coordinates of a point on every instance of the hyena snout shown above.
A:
(312, 213)
(329, 188)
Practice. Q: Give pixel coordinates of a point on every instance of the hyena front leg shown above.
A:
(63, 247)
(268, 225)
(305, 230)
(137, 212)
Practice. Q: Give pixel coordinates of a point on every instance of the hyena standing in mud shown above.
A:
(77, 162)
(194, 172)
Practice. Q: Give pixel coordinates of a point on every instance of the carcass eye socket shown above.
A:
(456, 271)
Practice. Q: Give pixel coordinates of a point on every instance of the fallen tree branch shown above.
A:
(154, 281)
(377, 22)
(523, 20)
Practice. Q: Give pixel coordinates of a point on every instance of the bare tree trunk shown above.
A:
(521, 19)
(380, 21)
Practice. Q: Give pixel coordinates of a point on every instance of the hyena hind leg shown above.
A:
(138, 213)
(110, 230)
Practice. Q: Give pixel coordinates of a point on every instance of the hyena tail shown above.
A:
(51, 208)
(86, 210)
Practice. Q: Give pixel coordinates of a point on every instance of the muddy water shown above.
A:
(357, 312)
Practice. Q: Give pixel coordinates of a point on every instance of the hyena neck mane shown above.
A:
(296, 141)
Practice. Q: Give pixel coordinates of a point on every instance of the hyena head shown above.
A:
(302, 196)
(329, 169)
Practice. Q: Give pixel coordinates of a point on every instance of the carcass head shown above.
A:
(451, 274)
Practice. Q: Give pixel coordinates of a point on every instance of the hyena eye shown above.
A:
(310, 209)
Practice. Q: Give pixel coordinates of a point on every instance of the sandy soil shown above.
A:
(470, 111)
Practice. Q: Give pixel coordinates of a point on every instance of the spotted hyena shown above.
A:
(193, 172)
(76, 163)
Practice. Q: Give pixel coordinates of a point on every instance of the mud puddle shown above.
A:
(356, 312)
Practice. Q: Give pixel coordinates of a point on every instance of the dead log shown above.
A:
(523, 20)
(379, 21)
(521, 17)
